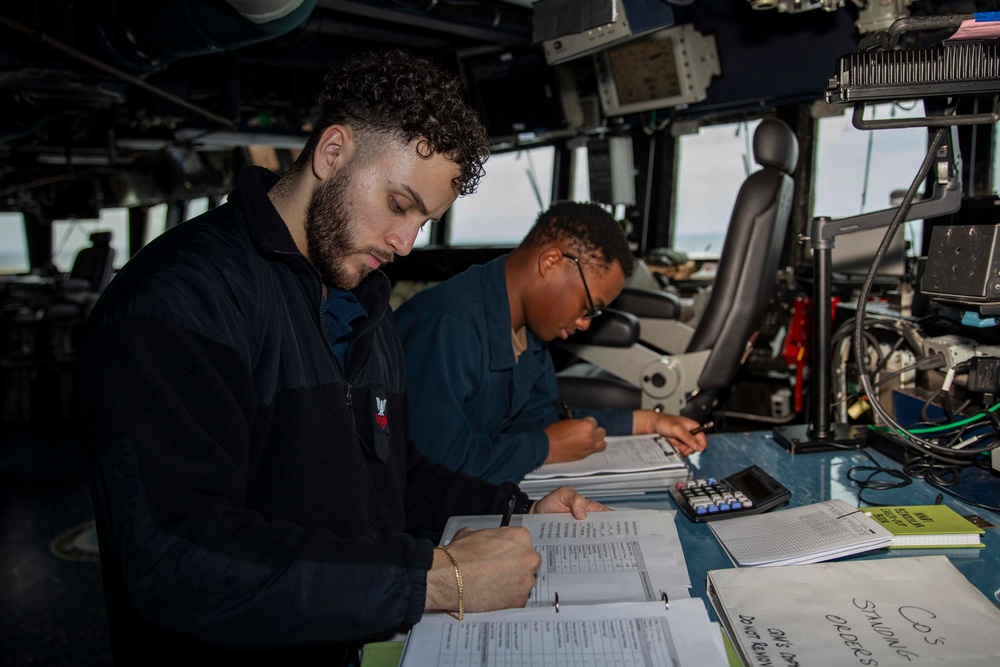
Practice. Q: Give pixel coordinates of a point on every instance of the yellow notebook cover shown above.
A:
(921, 526)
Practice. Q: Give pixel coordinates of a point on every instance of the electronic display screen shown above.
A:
(514, 92)
(669, 68)
(750, 484)
(644, 71)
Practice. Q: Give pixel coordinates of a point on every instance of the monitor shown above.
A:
(669, 68)
(514, 91)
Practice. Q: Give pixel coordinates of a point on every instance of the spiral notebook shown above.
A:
(807, 534)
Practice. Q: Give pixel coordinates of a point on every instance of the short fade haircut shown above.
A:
(395, 95)
(588, 230)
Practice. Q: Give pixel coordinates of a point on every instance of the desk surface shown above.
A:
(813, 478)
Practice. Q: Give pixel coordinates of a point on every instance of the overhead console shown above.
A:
(670, 68)
(570, 29)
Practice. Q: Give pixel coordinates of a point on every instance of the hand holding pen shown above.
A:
(707, 426)
(572, 439)
(686, 435)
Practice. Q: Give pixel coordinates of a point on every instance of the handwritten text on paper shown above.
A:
(865, 633)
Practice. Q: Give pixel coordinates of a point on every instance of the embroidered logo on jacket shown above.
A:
(380, 438)
(380, 418)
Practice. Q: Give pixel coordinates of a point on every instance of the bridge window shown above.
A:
(156, 221)
(859, 171)
(69, 236)
(196, 207)
(580, 183)
(711, 167)
(13, 244)
(516, 188)
(423, 236)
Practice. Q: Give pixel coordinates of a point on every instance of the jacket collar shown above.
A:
(271, 237)
(267, 230)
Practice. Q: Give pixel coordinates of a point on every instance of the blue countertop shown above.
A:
(813, 478)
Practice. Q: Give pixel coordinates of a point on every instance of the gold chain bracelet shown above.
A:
(461, 590)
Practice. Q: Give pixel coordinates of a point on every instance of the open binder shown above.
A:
(613, 589)
(626, 556)
(619, 634)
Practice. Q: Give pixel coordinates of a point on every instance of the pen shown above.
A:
(567, 411)
(704, 427)
(505, 521)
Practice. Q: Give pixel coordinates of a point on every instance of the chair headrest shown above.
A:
(100, 238)
(775, 145)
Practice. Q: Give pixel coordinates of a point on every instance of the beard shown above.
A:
(331, 237)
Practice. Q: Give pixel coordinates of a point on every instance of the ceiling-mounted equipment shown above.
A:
(570, 29)
(667, 69)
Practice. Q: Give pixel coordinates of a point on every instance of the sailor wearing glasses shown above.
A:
(481, 382)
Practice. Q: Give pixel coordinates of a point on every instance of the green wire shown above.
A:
(943, 427)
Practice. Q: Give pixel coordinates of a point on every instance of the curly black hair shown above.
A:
(589, 231)
(383, 94)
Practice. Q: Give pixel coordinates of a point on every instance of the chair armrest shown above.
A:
(73, 285)
(648, 303)
(612, 329)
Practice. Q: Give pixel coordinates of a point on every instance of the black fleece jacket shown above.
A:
(251, 495)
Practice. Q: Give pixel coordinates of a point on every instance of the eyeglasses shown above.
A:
(594, 310)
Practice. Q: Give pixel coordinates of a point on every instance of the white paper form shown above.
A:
(641, 634)
(627, 453)
(798, 535)
(626, 556)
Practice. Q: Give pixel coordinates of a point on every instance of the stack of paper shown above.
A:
(807, 534)
(629, 465)
(891, 611)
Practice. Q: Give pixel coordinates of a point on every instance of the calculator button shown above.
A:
(712, 509)
(736, 504)
(723, 507)
(747, 503)
(701, 510)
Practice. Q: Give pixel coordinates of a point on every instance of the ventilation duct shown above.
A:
(148, 35)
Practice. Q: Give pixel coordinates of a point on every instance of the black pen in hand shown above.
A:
(566, 410)
(505, 521)
(707, 426)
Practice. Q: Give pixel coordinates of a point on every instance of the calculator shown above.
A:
(750, 491)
